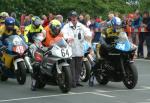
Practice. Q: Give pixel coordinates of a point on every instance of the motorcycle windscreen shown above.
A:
(123, 46)
(15, 41)
(61, 43)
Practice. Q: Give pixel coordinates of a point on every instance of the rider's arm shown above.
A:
(17, 30)
(2, 30)
(26, 31)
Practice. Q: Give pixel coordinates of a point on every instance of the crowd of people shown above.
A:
(76, 29)
(135, 24)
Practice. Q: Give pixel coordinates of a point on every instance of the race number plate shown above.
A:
(19, 49)
(64, 52)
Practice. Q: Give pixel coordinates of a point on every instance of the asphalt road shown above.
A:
(11, 92)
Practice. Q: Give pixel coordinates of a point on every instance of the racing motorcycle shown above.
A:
(53, 67)
(116, 63)
(12, 59)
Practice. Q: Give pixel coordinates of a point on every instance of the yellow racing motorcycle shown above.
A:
(12, 61)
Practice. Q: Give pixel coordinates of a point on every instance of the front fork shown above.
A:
(122, 67)
(59, 66)
(17, 61)
(28, 64)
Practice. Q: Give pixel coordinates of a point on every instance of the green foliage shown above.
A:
(93, 7)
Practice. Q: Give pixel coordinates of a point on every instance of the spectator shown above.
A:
(91, 26)
(127, 23)
(87, 20)
(146, 24)
(97, 31)
(135, 25)
(112, 19)
(27, 21)
(60, 18)
(3, 15)
(22, 23)
(45, 21)
(75, 32)
(50, 17)
(141, 38)
(118, 20)
(13, 14)
(81, 19)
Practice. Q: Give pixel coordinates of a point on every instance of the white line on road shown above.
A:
(144, 88)
(145, 60)
(105, 95)
(48, 96)
(102, 91)
(148, 99)
(37, 97)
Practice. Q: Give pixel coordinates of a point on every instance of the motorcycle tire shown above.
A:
(131, 78)
(39, 84)
(65, 79)
(21, 73)
(102, 80)
(85, 74)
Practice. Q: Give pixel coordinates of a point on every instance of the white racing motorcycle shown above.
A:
(53, 66)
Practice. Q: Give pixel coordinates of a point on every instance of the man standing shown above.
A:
(146, 24)
(75, 32)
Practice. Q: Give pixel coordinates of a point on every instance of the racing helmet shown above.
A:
(10, 23)
(3, 15)
(36, 21)
(55, 27)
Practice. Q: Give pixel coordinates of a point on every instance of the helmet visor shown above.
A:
(55, 29)
(37, 22)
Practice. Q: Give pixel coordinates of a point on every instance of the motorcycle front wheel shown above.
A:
(101, 79)
(21, 73)
(85, 72)
(65, 79)
(131, 78)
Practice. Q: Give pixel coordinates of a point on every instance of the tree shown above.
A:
(93, 7)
